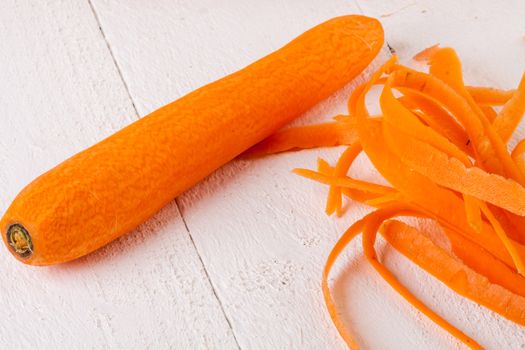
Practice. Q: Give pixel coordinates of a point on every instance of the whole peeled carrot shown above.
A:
(112, 187)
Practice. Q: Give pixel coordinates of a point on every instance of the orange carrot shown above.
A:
(426, 54)
(489, 112)
(452, 173)
(303, 137)
(488, 96)
(357, 195)
(110, 188)
(437, 118)
(490, 150)
(512, 112)
(372, 225)
(453, 273)
(344, 163)
(396, 115)
(410, 147)
(338, 248)
(486, 264)
(473, 211)
(344, 182)
(517, 155)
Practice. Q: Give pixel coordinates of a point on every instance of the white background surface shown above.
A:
(242, 269)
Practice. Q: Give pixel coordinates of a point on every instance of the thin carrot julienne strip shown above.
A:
(303, 137)
(420, 149)
(445, 65)
(517, 155)
(491, 152)
(473, 211)
(437, 118)
(426, 54)
(512, 112)
(372, 224)
(511, 248)
(343, 182)
(489, 112)
(486, 96)
(352, 193)
(395, 114)
(453, 273)
(481, 261)
(338, 248)
(453, 174)
(344, 163)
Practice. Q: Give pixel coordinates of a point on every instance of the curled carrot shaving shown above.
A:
(486, 264)
(444, 150)
(426, 54)
(303, 137)
(511, 114)
(517, 156)
(490, 151)
(352, 193)
(511, 248)
(369, 233)
(445, 170)
(453, 273)
(473, 211)
(343, 165)
(485, 96)
(435, 116)
(489, 112)
(345, 182)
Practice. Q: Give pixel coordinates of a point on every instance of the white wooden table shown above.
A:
(235, 262)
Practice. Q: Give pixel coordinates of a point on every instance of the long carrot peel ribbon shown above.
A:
(310, 136)
(444, 150)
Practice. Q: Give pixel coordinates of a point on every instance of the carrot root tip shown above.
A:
(20, 240)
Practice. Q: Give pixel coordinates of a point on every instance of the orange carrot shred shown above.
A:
(438, 118)
(511, 114)
(473, 211)
(452, 173)
(489, 112)
(517, 156)
(341, 168)
(486, 264)
(443, 149)
(453, 273)
(426, 54)
(338, 248)
(485, 96)
(370, 229)
(303, 137)
(345, 182)
(511, 248)
(490, 150)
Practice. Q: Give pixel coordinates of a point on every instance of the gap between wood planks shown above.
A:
(137, 115)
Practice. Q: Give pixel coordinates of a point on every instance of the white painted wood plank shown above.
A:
(247, 219)
(260, 230)
(59, 93)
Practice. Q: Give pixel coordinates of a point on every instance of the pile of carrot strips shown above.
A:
(443, 147)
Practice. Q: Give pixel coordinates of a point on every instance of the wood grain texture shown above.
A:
(262, 250)
(59, 93)
(259, 230)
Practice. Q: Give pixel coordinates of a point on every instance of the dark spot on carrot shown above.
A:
(20, 240)
(391, 49)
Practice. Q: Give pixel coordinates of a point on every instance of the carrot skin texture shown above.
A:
(109, 189)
